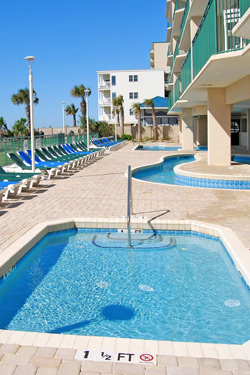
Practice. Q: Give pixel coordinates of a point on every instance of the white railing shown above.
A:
(104, 85)
(105, 101)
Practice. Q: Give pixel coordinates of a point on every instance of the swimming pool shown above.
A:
(166, 148)
(72, 283)
(162, 172)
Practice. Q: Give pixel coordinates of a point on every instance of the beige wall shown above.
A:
(51, 131)
(201, 131)
(159, 58)
(187, 129)
(219, 128)
(171, 131)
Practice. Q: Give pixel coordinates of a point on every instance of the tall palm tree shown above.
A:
(150, 103)
(22, 97)
(119, 103)
(72, 110)
(116, 110)
(137, 110)
(79, 92)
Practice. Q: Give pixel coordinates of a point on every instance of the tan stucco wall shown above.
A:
(51, 131)
(219, 128)
(238, 91)
(201, 131)
(187, 129)
(171, 131)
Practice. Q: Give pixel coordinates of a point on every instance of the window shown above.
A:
(133, 95)
(113, 80)
(133, 78)
(113, 95)
(131, 112)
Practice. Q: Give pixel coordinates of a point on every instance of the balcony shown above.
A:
(170, 56)
(105, 102)
(104, 85)
(194, 8)
(215, 49)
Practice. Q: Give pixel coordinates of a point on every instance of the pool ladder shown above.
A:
(129, 206)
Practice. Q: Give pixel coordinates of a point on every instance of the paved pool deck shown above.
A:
(100, 191)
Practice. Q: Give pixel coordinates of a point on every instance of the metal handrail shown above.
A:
(129, 206)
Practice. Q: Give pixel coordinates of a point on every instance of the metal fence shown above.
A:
(23, 143)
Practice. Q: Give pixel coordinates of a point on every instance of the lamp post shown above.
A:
(87, 91)
(115, 123)
(64, 131)
(30, 60)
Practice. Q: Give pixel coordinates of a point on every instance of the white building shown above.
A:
(134, 85)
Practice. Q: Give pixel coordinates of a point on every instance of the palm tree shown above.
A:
(137, 109)
(150, 103)
(72, 110)
(22, 97)
(79, 92)
(119, 104)
(19, 128)
(116, 110)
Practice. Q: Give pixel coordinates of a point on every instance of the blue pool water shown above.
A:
(163, 172)
(166, 148)
(72, 283)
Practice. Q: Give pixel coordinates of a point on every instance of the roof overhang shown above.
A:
(221, 70)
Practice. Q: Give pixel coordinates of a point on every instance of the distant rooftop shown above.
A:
(159, 102)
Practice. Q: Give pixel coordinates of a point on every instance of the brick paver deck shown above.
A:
(100, 190)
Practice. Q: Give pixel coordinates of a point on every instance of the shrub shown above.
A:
(127, 137)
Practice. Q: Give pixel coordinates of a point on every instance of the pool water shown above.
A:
(163, 172)
(179, 287)
(166, 148)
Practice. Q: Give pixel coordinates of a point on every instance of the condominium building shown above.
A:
(158, 56)
(134, 85)
(209, 79)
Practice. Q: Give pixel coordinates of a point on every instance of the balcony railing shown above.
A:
(184, 18)
(244, 5)
(214, 36)
(171, 99)
(186, 74)
(177, 88)
(104, 85)
(105, 101)
(176, 7)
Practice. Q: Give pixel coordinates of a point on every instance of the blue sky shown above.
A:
(71, 40)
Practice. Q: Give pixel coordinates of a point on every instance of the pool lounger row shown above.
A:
(108, 144)
(55, 164)
(11, 188)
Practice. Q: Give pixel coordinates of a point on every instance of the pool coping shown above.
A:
(195, 175)
(20, 247)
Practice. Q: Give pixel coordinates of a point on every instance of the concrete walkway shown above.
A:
(100, 191)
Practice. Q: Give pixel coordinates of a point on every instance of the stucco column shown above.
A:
(187, 129)
(248, 129)
(219, 128)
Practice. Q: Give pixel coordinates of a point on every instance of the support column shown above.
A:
(187, 129)
(219, 128)
(248, 129)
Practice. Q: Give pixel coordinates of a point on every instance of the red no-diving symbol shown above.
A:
(146, 357)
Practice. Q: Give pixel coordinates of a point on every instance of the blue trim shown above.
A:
(211, 183)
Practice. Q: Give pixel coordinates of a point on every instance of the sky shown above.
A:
(71, 41)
